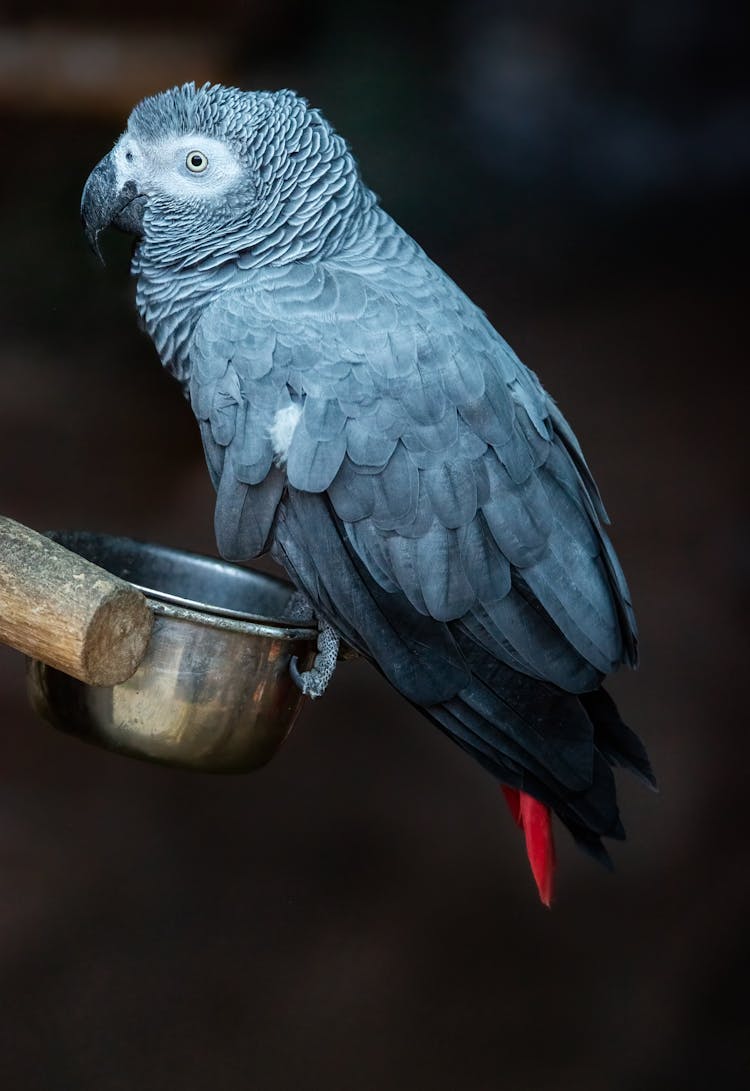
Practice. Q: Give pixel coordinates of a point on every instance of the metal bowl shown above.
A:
(213, 692)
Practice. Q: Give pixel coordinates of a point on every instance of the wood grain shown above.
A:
(67, 612)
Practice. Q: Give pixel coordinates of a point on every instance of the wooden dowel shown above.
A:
(71, 614)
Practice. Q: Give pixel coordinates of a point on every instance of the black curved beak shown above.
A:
(105, 205)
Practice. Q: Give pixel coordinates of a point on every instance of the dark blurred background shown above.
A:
(359, 914)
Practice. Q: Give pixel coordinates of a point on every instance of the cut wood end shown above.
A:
(117, 638)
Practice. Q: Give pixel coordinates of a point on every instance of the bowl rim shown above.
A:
(229, 620)
(191, 609)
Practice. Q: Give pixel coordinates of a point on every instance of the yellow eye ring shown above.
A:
(196, 162)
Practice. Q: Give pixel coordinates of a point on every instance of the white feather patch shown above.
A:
(161, 166)
(282, 430)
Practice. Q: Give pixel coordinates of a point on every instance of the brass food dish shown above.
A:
(213, 692)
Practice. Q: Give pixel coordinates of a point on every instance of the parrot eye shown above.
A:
(196, 162)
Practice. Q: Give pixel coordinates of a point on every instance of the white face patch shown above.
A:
(163, 167)
(282, 431)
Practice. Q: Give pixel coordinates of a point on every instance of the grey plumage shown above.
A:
(429, 498)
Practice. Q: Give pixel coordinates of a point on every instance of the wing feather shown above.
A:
(457, 481)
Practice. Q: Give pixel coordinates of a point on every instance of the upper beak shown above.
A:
(104, 204)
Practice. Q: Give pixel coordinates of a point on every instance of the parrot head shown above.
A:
(202, 172)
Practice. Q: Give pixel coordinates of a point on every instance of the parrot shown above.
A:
(366, 426)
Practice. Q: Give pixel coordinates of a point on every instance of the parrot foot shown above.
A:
(314, 682)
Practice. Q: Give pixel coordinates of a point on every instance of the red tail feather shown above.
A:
(535, 820)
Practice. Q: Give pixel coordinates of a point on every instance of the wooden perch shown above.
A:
(71, 614)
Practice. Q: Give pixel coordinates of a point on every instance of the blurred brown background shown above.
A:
(359, 914)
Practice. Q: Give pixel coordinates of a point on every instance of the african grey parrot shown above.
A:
(364, 422)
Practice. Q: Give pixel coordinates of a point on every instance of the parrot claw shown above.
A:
(314, 682)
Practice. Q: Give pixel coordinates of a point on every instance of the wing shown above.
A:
(458, 485)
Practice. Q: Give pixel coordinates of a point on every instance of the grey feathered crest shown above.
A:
(219, 111)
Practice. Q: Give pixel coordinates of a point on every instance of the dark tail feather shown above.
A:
(593, 847)
(493, 737)
(614, 739)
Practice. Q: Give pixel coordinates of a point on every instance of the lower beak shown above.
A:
(104, 204)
